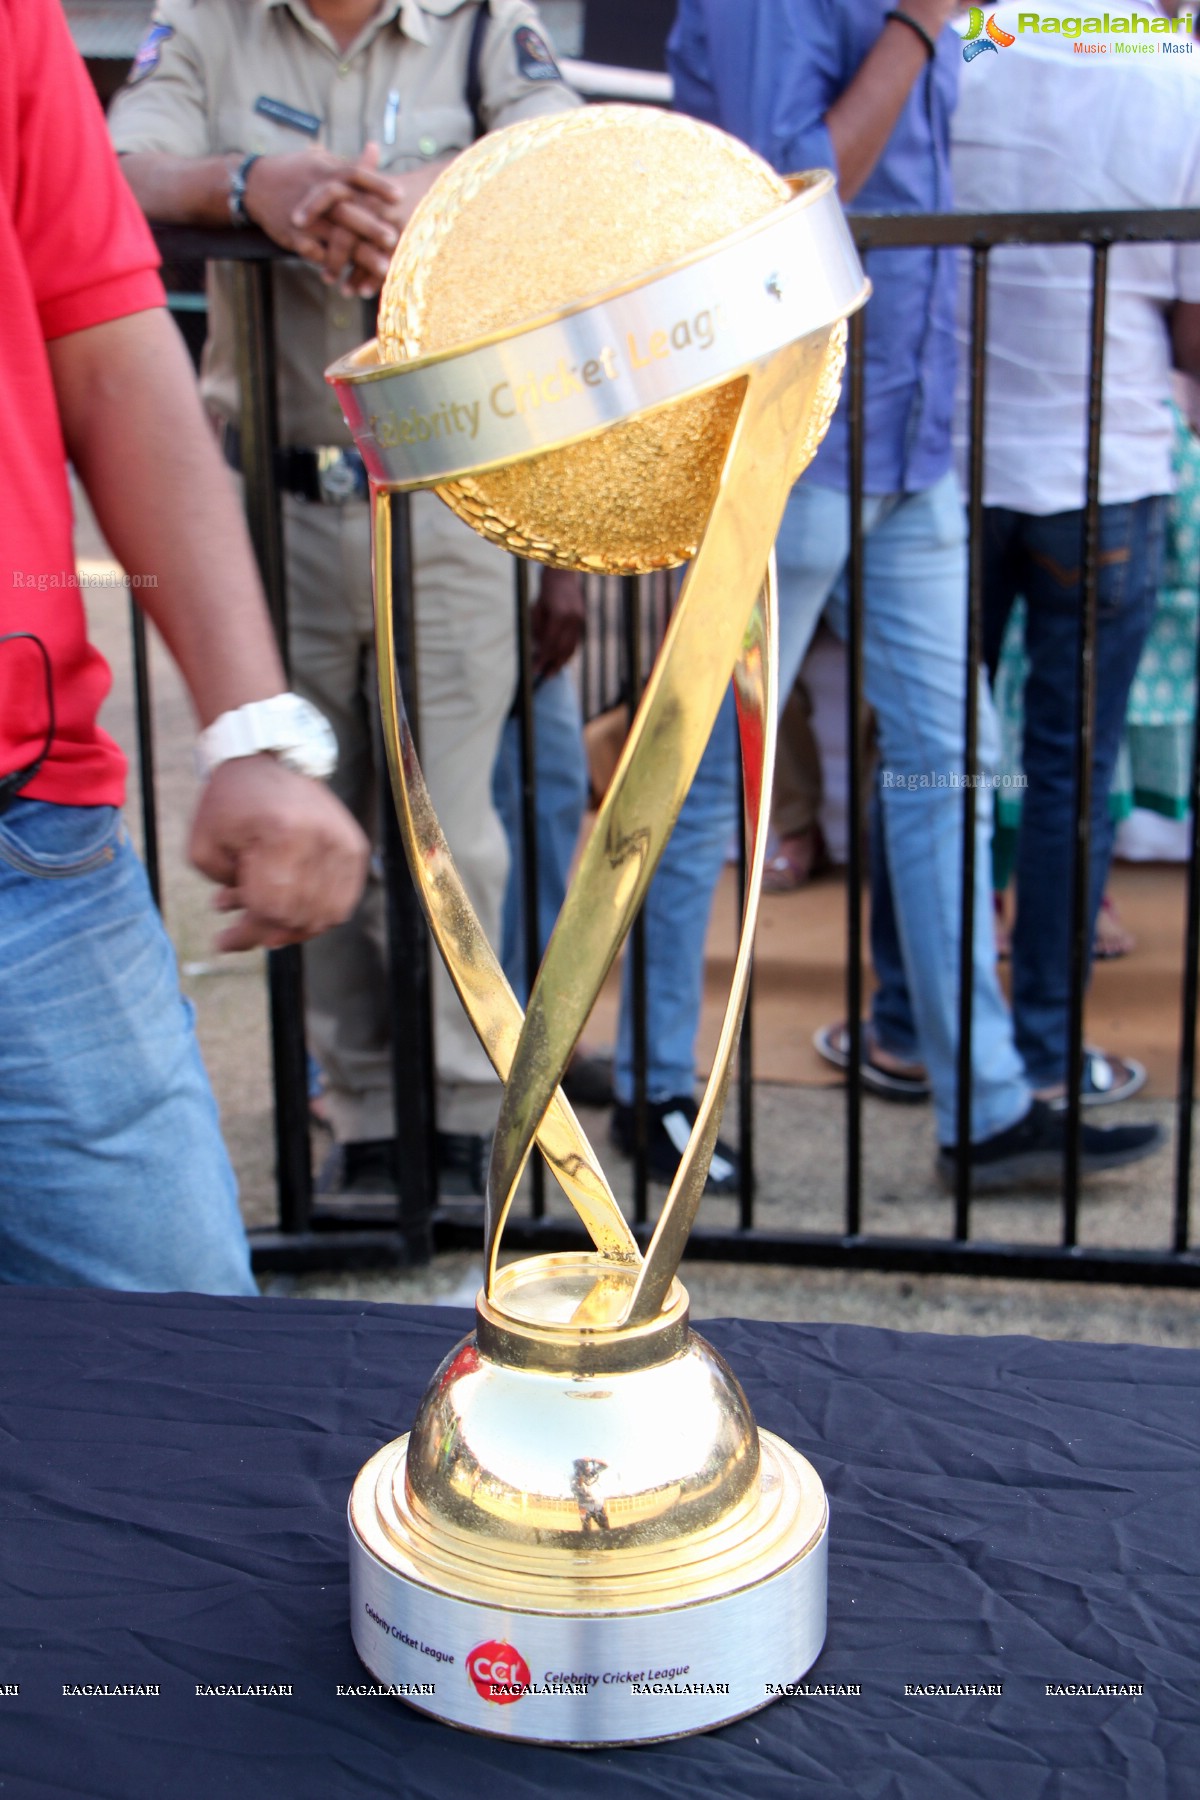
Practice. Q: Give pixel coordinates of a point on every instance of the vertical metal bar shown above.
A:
(1186, 1100)
(414, 1098)
(1085, 730)
(975, 560)
(145, 750)
(745, 1053)
(253, 306)
(631, 593)
(854, 868)
(255, 330)
(585, 653)
(531, 924)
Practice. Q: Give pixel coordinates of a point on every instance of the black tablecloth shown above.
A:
(173, 1480)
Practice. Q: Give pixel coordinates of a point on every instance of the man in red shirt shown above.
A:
(113, 1172)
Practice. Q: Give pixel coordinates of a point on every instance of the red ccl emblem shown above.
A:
(499, 1672)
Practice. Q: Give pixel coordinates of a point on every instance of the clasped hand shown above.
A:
(343, 217)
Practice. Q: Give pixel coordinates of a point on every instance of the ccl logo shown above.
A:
(499, 1672)
(974, 40)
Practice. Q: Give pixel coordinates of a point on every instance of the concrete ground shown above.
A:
(800, 1133)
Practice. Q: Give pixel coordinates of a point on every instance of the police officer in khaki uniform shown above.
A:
(323, 122)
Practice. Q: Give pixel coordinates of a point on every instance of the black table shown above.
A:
(173, 1480)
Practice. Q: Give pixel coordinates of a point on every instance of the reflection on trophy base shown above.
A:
(644, 1649)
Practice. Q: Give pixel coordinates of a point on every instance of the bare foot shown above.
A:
(797, 859)
(1112, 939)
(895, 1065)
(1002, 927)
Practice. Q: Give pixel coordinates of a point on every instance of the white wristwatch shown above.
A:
(284, 726)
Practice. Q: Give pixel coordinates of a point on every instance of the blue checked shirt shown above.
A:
(768, 71)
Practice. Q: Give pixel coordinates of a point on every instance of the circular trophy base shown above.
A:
(620, 1649)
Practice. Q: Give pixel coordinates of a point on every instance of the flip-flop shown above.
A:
(907, 1087)
(1106, 1079)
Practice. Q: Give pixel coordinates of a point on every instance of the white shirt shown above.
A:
(1041, 127)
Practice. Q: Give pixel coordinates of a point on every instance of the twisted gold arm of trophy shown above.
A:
(756, 679)
(490, 1003)
(704, 642)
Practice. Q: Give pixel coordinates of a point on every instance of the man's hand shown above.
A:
(286, 854)
(276, 186)
(343, 217)
(558, 620)
(189, 190)
(281, 846)
(350, 222)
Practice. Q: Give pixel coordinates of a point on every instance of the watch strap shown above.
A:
(283, 725)
(237, 188)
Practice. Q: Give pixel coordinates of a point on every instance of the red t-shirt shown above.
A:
(74, 252)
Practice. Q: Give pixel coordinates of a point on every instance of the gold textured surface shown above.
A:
(492, 246)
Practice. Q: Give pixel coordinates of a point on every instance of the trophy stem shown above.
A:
(490, 1003)
(712, 631)
(756, 683)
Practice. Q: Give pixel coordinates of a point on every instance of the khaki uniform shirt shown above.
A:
(218, 76)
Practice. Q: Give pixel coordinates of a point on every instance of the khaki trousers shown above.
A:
(466, 673)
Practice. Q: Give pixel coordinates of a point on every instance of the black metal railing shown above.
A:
(625, 622)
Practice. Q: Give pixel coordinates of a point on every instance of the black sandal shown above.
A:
(907, 1087)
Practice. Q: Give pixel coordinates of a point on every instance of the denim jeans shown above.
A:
(914, 658)
(1041, 558)
(561, 775)
(112, 1169)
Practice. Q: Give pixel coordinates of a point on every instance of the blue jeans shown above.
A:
(1040, 558)
(561, 775)
(914, 661)
(112, 1169)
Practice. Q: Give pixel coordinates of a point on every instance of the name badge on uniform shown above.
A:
(149, 52)
(535, 59)
(283, 114)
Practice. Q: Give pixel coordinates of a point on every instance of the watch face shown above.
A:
(313, 746)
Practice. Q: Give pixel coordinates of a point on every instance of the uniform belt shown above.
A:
(329, 475)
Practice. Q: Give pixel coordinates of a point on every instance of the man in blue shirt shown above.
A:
(867, 92)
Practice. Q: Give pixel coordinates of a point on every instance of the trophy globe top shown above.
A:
(529, 224)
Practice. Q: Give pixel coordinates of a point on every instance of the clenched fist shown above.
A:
(285, 853)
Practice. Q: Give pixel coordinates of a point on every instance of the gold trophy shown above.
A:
(611, 339)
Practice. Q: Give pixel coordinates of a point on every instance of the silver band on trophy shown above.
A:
(675, 333)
